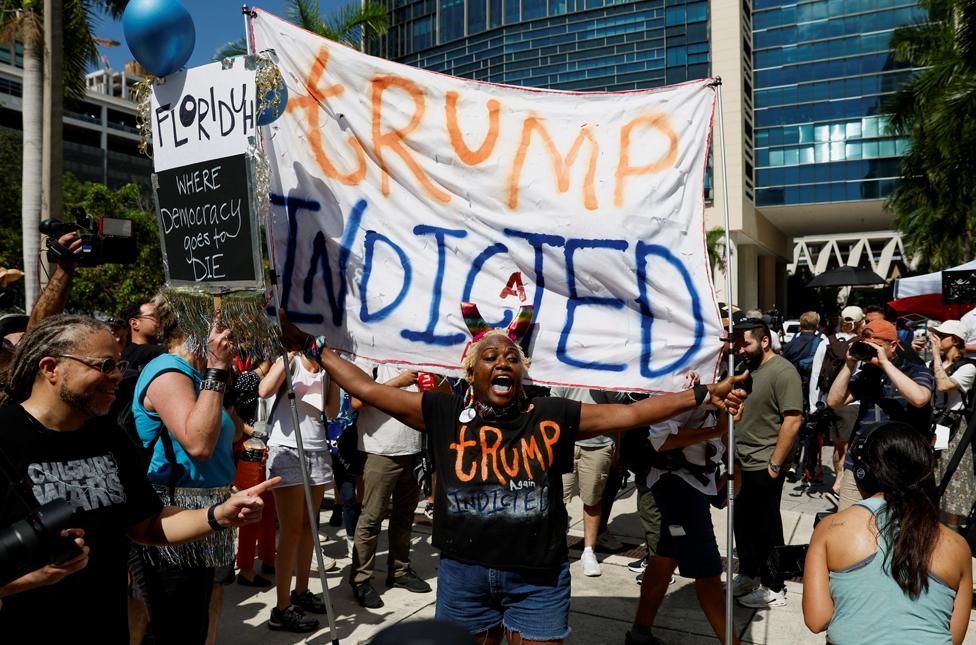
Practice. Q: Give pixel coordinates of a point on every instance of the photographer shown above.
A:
(55, 295)
(60, 445)
(888, 386)
(954, 375)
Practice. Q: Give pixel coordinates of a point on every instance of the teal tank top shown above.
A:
(870, 607)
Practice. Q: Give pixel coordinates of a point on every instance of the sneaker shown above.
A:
(607, 541)
(763, 598)
(292, 619)
(633, 638)
(640, 579)
(366, 595)
(409, 581)
(336, 518)
(638, 566)
(741, 585)
(429, 510)
(591, 567)
(328, 564)
(308, 601)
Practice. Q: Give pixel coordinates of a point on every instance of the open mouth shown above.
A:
(502, 385)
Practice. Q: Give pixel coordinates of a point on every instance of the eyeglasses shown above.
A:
(103, 365)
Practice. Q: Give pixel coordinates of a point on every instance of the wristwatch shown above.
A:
(774, 467)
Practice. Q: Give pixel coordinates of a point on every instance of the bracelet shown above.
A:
(212, 519)
(314, 346)
(215, 374)
(701, 393)
(216, 386)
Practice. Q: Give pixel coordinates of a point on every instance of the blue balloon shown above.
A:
(268, 115)
(159, 33)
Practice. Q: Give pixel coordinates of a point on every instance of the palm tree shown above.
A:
(22, 21)
(351, 24)
(935, 201)
(715, 247)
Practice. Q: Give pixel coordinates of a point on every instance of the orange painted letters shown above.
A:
(459, 462)
(491, 450)
(312, 105)
(560, 166)
(546, 439)
(464, 153)
(394, 139)
(659, 122)
(514, 469)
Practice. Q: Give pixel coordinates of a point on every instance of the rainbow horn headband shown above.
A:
(478, 327)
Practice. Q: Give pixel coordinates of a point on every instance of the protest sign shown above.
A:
(399, 193)
(201, 120)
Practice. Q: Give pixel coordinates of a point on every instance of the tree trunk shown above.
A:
(31, 176)
(53, 150)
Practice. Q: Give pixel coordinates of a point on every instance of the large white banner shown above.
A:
(399, 193)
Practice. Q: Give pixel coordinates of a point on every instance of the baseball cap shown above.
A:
(952, 328)
(11, 323)
(852, 314)
(882, 330)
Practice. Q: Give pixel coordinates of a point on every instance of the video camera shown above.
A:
(106, 240)
(36, 541)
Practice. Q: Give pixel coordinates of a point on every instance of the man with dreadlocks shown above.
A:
(56, 443)
(499, 519)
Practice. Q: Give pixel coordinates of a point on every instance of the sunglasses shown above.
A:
(103, 365)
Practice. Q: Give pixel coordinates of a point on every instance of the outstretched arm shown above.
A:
(400, 404)
(602, 418)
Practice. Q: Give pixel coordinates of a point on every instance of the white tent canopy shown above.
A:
(923, 284)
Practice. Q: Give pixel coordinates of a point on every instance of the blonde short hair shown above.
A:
(809, 320)
(471, 354)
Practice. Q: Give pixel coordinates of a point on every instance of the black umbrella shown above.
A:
(846, 277)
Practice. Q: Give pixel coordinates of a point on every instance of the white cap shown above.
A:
(852, 314)
(952, 328)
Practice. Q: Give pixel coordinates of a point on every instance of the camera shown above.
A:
(36, 541)
(105, 240)
(862, 351)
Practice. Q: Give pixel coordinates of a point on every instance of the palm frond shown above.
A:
(230, 49)
(79, 49)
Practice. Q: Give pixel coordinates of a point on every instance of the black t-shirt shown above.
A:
(499, 492)
(139, 355)
(97, 470)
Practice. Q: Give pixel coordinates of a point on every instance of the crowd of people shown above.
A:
(144, 437)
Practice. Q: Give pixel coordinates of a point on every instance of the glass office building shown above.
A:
(822, 73)
(581, 45)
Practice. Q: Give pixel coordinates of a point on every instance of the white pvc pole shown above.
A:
(730, 448)
(313, 512)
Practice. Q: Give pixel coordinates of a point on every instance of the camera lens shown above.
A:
(861, 351)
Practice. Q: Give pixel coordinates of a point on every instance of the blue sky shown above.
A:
(217, 22)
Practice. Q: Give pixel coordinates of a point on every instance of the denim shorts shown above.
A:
(533, 603)
(283, 461)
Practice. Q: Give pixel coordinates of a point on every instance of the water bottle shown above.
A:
(254, 454)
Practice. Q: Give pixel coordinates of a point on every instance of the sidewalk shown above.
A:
(602, 608)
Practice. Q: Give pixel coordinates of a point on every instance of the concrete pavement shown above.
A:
(602, 607)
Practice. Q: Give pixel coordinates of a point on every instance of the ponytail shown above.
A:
(902, 467)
